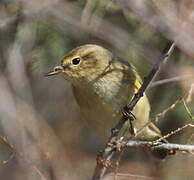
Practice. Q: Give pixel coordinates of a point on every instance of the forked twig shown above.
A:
(5, 141)
(14, 152)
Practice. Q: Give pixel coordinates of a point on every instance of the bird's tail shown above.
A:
(162, 153)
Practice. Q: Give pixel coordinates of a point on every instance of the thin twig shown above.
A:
(189, 97)
(161, 114)
(132, 176)
(174, 132)
(188, 110)
(110, 149)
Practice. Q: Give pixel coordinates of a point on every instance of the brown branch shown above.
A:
(109, 150)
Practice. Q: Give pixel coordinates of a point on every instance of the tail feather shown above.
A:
(162, 153)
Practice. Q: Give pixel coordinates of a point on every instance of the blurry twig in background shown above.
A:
(5, 141)
(87, 11)
(168, 23)
(93, 12)
(18, 126)
(166, 110)
(31, 137)
(14, 152)
(173, 79)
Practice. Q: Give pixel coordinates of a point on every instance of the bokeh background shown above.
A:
(42, 134)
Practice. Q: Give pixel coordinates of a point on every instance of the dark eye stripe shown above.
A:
(89, 55)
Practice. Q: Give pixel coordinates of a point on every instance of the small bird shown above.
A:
(102, 85)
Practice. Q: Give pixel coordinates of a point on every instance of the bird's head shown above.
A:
(83, 64)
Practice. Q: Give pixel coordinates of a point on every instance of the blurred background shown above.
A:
(41, 133)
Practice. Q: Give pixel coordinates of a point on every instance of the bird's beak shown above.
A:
(57, 70)
(51, 73)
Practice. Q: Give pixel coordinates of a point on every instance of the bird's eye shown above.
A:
(76, 61)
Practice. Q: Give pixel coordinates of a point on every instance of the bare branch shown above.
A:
(109, 150)
(164, 146)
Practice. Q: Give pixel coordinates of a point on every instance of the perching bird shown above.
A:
(102, 85)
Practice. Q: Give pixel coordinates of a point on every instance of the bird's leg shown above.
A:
(128, 115)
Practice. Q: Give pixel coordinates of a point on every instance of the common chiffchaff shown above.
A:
(103, 85)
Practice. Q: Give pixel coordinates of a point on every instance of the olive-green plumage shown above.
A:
(103, 85)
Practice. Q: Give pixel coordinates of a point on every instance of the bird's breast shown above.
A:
(101, 103)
